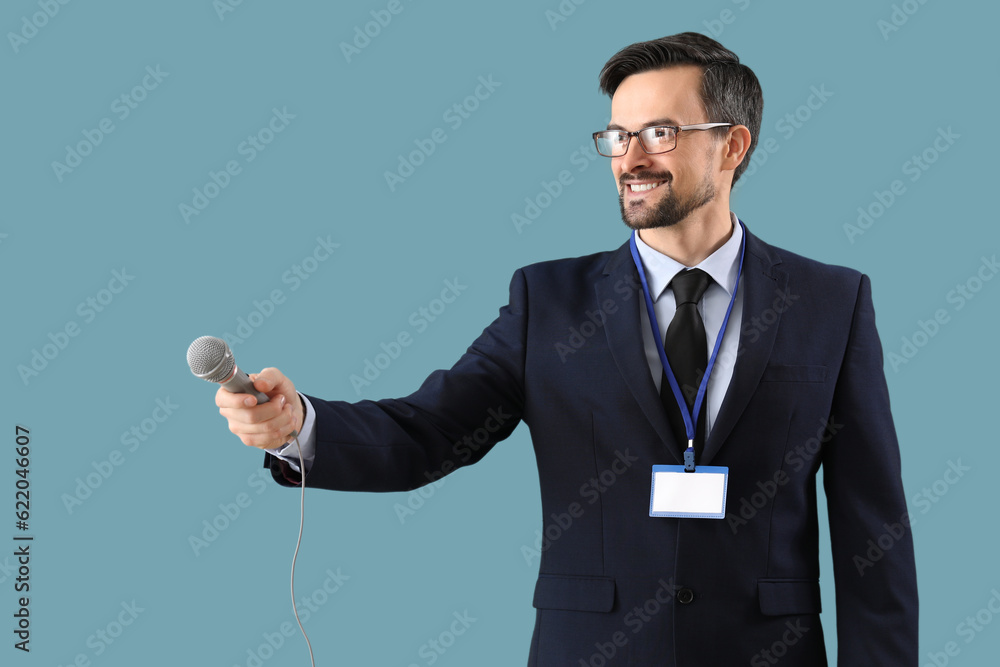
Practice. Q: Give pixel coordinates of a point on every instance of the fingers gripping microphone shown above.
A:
(211, 359)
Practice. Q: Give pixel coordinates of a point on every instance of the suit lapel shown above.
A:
(762, 284)
(624, 333)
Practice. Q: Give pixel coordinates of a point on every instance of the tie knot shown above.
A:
(689, 286)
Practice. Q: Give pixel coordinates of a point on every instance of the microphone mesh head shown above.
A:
(210, 359)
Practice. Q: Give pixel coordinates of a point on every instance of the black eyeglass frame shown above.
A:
(677, 129)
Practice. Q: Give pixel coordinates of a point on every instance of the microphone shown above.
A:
(211, 359)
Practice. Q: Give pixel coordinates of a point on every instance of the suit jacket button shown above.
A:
(685, 596)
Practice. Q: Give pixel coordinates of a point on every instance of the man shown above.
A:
(775, 357)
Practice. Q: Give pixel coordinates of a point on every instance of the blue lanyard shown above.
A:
(690, 418)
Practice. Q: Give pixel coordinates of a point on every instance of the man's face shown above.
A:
(684, 178)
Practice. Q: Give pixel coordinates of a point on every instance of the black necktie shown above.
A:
(687, 353)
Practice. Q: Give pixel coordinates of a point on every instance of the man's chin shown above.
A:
(638, 215)
(647, 219)
(663, 213)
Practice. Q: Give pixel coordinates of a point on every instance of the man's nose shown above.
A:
(635, 157)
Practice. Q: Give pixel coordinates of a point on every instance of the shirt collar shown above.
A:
(722, 265)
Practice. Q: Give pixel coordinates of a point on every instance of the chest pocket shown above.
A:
(786, 373)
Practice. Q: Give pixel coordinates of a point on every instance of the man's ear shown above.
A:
(735, 147)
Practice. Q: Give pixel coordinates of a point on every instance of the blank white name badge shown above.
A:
(691, 495)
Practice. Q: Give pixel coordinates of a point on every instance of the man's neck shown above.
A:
(690, 241)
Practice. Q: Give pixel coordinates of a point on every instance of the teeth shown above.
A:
(643, 187)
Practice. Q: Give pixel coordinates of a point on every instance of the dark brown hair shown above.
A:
(730, 91)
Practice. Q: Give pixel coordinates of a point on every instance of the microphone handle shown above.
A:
(240, 383)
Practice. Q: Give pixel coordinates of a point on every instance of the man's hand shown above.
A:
(268, 425)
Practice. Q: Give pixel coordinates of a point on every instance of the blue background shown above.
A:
(323, 176)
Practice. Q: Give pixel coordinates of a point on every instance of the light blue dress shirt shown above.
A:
(722, 265)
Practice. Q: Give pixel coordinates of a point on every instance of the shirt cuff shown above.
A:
(307, 440)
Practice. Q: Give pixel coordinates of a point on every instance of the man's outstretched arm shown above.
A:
(452, 420)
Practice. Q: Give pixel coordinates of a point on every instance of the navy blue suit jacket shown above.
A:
(615, 586)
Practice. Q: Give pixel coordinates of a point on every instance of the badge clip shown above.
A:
(689, 457)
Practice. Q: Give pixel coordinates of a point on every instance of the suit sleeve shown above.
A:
(452, 420)
(869, 525)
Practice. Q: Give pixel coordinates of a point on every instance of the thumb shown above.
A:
(271, 381)
(263, 382)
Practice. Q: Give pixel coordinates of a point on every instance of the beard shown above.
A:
(671, 208)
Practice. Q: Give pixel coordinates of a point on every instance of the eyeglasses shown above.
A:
(656, 139)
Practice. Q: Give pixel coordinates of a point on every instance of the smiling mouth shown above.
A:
(641, 188)
(644, 187)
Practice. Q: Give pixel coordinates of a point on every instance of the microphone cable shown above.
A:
(302, 520)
